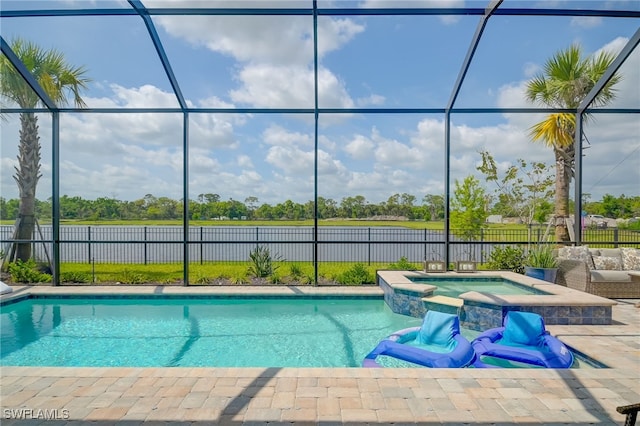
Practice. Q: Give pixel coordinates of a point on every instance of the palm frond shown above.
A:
(557, 130)
(49, 68)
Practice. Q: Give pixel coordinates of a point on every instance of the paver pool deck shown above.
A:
(326, 396)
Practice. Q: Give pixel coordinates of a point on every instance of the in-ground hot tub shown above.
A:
(489, 296)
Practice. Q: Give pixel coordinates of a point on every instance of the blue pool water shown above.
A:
(195, 332)
(210, 332)
(455, 286)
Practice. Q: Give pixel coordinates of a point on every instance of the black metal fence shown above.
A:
(166, 244)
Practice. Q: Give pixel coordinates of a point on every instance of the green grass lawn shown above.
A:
(218, 272)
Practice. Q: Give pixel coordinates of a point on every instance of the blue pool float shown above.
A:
(437, 343)
(523, 339)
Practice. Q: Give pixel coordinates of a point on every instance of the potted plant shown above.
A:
(541, 263)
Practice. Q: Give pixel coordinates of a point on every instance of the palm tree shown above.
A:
(565, 81)
(58, 79)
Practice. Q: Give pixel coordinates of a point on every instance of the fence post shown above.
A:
(257, 237)
(89, 242)
(201, 245)
(425, 244)
(616, 237)
(145, 245)
(369, 245)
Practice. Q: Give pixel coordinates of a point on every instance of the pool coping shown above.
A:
(238, 396)
(159, 290)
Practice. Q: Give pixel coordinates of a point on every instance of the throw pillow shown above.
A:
(577, 253)
(607, 263)
(630, 259)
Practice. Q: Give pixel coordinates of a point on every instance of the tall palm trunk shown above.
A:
(564, 171)
(27, 176)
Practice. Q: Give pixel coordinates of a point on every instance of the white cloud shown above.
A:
(360, 147)
(114, 180)
(291, 161)
(278, 135)
(277, 40)
(143, 97)
(202, 162)
(273, 39)
(371, 100)
(244, 161)
(531, 69)
(393, 153)
(586, 21)
(274, 55)
(214, 102)
(445, 19)
(269, 86)
(101, 132)
(333, 33)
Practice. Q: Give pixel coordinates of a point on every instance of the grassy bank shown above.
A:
(227, 273)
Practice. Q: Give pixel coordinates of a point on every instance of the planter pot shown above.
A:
(545, 274)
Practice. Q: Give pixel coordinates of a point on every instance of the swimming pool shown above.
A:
(216, 332)
(455, 286)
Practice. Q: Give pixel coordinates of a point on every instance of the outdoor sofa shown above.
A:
(602, 272)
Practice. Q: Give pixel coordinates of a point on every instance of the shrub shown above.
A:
(75, 277)
(402, 265)
(358, 274)
(296, 271)
(27, 272)
(542, 256)
(238, 278)
(275, 278)
(129, 277)
(262, 264)
(507, 258)
(631, 224)
(202, 279)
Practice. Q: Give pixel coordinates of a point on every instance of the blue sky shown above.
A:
(267, 62)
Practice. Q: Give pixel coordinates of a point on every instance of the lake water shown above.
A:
(162, 244)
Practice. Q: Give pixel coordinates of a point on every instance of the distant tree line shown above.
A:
(211, 207)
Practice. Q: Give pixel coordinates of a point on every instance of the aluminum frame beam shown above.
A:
(475, 41)
(155, 38)
(321, 12)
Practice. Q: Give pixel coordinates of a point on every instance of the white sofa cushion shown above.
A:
(608, 276)
(611, 252)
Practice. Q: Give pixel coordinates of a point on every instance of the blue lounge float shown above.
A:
(437, 343)
(522, 339)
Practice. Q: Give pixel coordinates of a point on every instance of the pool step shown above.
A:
(446, 304)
